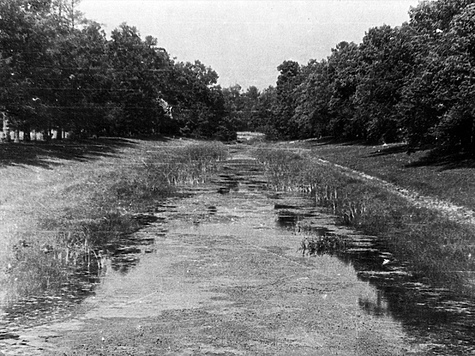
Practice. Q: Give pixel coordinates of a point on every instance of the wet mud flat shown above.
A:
(222, 272)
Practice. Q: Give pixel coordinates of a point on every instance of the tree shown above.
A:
(432, 17)
(436, 96)
(343, 75)
(251, 100)
(136, 89)
(386, 62)
(241, 106)
(264, 113)
(312, 101)
(68, 13)
(287, 81)
(31, 33)
(59, 71)
(199, 105)
(235, 107)
(455, 89)
(26, 32)
(79, 80)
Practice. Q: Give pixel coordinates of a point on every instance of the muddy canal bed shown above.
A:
(222, 272)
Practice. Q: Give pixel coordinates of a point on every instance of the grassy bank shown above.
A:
(442, 174)
(58, 211)
(434, 247)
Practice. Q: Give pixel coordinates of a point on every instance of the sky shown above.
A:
(245, 40)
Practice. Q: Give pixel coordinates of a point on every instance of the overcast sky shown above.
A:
(245, 41)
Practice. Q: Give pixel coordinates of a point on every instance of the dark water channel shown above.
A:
(434, 321)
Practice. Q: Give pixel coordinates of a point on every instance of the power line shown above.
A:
(175, 110)
(75, 89)
(109, 70)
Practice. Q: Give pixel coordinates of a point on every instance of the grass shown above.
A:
(438, 173)
(191, 164)
(58, 212)
(435, 248)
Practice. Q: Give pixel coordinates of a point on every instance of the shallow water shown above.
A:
(237, 208)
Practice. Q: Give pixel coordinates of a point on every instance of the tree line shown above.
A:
(413, 83)
(59, 71)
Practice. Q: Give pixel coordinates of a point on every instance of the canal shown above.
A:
(225, 270)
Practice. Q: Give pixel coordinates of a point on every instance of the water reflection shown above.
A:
(438, 320)
(81, 280)
(378, 307)
(287, 218)
(437, 316)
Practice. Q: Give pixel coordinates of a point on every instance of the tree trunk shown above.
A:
(472, 138)
(16, 136)
(47, 135)
(5, 137)
(27, 133)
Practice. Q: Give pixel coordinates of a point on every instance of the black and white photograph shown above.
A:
(237, 177)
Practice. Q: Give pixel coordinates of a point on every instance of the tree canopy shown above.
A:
(412, 83)
(59, 71)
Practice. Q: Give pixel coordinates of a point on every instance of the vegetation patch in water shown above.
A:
(327, 244)
(434, 247)
(95, 209)
(191, 164)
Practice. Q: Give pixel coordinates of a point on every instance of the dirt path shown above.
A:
(451, 211)
(224, 280)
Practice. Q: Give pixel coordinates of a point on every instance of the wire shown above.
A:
(75, 89)
(174, 108)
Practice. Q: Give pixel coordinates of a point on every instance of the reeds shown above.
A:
(326, 244)
(280, 167)
(440, 250)
(188, 165)
(94, 209)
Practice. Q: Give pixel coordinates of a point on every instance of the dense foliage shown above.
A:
(413, 83)
(59, 72)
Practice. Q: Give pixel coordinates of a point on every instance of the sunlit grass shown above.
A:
(440, 174)
(434, 247)
(79, 207)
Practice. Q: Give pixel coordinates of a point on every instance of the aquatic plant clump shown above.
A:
(191, 164)
(433, 246)
(89, 213)
(283, 168)
(327, 244)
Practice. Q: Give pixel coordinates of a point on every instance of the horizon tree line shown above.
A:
(59, 71)
(413, 83)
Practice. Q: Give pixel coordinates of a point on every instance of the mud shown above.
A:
(222, 272)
